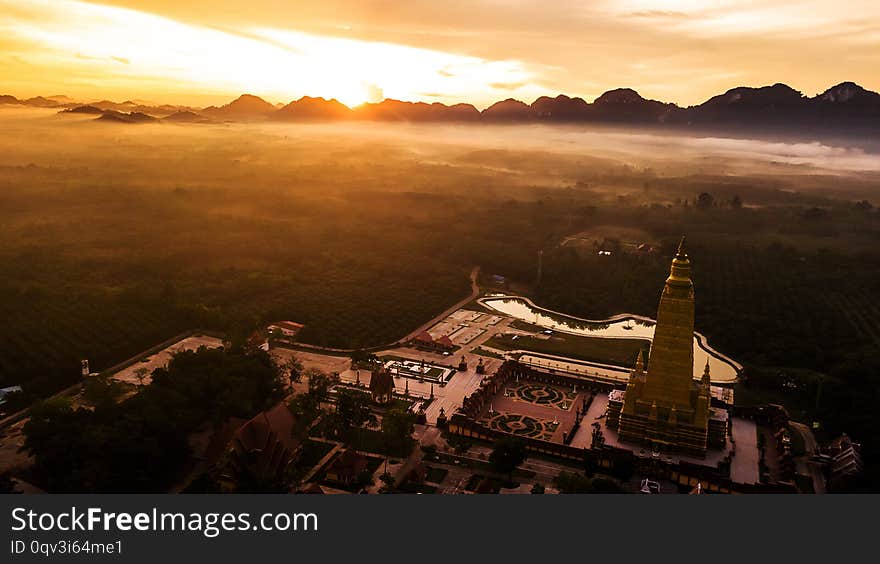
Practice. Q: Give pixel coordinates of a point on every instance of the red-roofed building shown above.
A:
(283, 332)
(347, 468)
(424, 338)
(381, 385)
(441, 344)
(261, 449)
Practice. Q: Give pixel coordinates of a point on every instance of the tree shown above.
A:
(388, 479)
(352, 412)
(294, 369)
(319, 384)
(397, 428)
(307, 406)
(507, 454)
(570, 482)
(140, 444)
(102, 391)
(141, 375)
(705, 201)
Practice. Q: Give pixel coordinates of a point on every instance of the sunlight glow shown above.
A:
(129, 47)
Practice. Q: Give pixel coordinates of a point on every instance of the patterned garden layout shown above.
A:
(524, 425)
(541, 394)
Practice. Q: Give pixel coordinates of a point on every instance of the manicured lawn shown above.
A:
(621, 352)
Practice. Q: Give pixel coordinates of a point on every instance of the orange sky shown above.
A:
(201, 52)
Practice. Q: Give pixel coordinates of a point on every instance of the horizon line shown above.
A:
(268, 98)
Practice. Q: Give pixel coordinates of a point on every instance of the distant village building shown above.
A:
(283, 332)
(347, 468)
(425, 341)
(846, 458)
(382, 385)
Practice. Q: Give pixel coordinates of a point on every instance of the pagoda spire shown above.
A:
(640, 362)
(680, 270)
(681, 252)
(706, 379)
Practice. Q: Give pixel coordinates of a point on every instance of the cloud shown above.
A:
(271, 61)
(660, 14)
(569, 46)
(507, 85)
(374, 93)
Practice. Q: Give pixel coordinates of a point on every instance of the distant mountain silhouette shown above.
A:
(743, 105)
(186, 116)
(560, 108)
(246, 107)
(509, 110)
(312, 109)
(40, 102)
(846, 104)
(627, 106)
(397, 110)
(121, 117)
(846, 107)
(87, 109)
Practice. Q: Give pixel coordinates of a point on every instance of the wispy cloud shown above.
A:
(678, 50)
(272, 61)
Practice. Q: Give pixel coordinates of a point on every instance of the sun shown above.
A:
(354, 96)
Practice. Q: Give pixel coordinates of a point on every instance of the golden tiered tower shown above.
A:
(671, 362)
(664, 407)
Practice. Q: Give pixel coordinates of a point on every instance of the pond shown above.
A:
(624, 326)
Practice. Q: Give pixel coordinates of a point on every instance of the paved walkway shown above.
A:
(744, 464)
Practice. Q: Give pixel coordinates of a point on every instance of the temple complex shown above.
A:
(663, 419)
(663, 407)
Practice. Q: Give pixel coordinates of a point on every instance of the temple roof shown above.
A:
(382, 381)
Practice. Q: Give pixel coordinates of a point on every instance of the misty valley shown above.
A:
(115, 237)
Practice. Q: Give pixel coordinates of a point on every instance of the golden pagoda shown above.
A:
(663, 407)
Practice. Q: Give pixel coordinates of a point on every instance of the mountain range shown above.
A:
(845, 106)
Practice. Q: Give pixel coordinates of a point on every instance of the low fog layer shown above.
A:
(295, 155)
